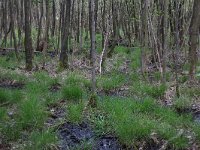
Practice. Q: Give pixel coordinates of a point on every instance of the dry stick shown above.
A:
(105, 44)
(103, 52)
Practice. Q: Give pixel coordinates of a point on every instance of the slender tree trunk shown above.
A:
(194, 38)
(93, 58)
(65, 35)
(165, 38)
(28, 39)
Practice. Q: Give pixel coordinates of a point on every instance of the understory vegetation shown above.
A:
(128, 107)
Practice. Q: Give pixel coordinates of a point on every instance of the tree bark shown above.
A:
(194, 38)
(28, 39)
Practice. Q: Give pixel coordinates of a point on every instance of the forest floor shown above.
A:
(48, 108)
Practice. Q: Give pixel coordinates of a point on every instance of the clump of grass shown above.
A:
(75, 112)
(135, 59)
(183, 102)
(13, 76)
(4, 96)
(74, 79)
(44, 79)
(8, 62)
(72, 92)
(192, 91)
(32, 114)
(100, 122)
(113, 81)
(133, 129)
(196, 130)
(175, 138)
(134, 121)
(52, 98)
(11, 130)
(10, 96)
(122, 50)
(154, 91)
(3, 114)
(42, 140)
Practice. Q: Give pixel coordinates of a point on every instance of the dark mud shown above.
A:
(5, 147)
(73, 135)
(11, 84)
(195, 111)
(56, 114)
(81, 136)
(55, 87)
(108, 143)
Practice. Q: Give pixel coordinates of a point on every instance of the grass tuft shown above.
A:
(72, 92)
(32, 114)
(42, 140)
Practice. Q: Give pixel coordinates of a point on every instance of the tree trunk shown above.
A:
(93, 57)
(194, 38)
(28, 39)
(65, 35)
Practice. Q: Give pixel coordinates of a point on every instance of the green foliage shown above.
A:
(72, 92)
(75, 112)
(154, 91)
(144, 89)
(100, 122)
(122, 50)
(6, 62)
(13, 76)
(42, 140)
(32, 114)
(76, 79)
(130, 130)
(11, 130)
(10, 96)
(133, 120)
(3, 114)
(4, 97)
(135, 58)
(112, 81)
(183, 102)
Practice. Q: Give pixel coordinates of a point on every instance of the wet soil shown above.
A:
(194, 111)
(11, 84)
(74, 136)
(55, 87)
(4, 146)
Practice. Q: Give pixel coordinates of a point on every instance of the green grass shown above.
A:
(75, 112)
(11, 130)
(3, 114)
(75, 78)
(135, 120)
(135, 59)
(32, 114)
(192, 91)
(144, 89)
(122, 50)
(72, 92)
(42, 140)
(111, 81)
(183, 102)
(132, 120)
(10, 96)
